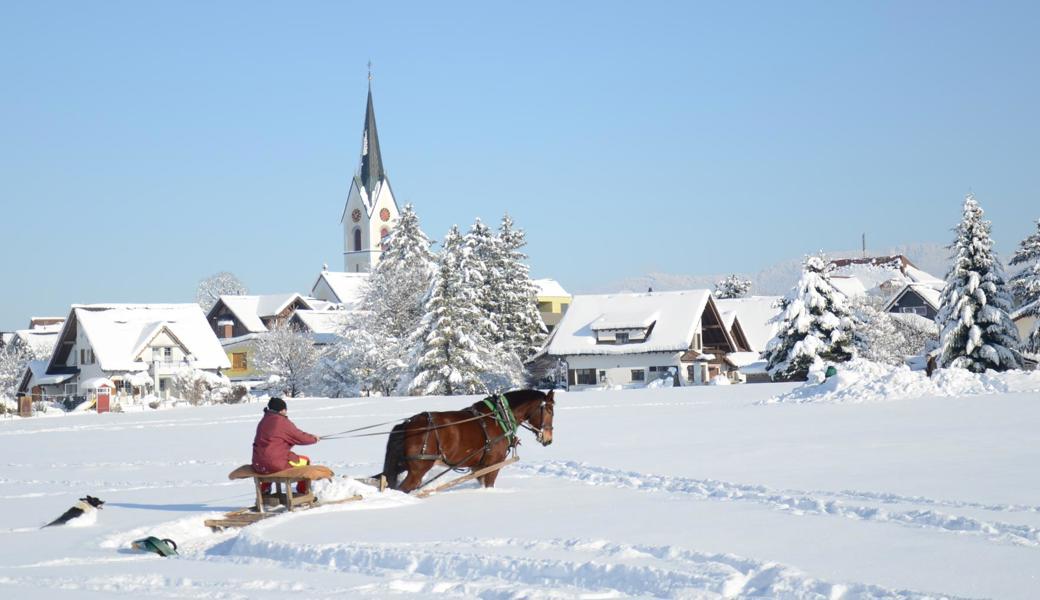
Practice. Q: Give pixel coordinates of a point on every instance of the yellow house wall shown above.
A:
(250, 369)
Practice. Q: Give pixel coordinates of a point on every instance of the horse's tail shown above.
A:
(393, 463)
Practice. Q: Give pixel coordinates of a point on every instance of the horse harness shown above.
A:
(503, 416)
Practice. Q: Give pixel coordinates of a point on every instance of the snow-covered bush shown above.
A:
(288, 354)
(201, 387)
(887, 337)
(815, 325)
(14, 359)
(976, 330)
(733, 286)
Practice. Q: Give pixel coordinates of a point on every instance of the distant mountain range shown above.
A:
(777, 279)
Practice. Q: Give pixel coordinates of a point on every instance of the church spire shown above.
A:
(371, 171)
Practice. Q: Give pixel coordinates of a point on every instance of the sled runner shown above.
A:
(280, 494)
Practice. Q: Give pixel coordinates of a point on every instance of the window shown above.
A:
(92, 359)
(563, 307)
(586, 376)
(638, 375)
(698, 343)
(82, 356)
(383, 234)
(602, 376)
(357, 239)
(545, 307)
(71, 389)
(916, 310)
(167, 354)
(228, 330)
(238, 361)
(620, 338)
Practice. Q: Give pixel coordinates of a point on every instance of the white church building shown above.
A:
(371, 210)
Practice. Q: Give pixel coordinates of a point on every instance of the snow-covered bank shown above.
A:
(656, 493)
(865, 381)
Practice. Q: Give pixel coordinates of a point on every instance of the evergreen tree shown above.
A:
(520, 324)
(1025, 285)
(733, 286)
(976, 331)
(449, 348)
(370, 355)
(485, 250)
(815, 325)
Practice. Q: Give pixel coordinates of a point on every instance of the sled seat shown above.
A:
(282, 483)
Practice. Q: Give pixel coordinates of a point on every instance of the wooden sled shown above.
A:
(422, 493)
(281, 494)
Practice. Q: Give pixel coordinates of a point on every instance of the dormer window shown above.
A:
(620, 338)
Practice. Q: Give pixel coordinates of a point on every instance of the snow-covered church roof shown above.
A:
(118, 333)
(673, 315)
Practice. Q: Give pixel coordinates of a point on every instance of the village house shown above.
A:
(238, 321)
(39, 338)
(324, 326)
(633, 339)
(344, 290)
(553, 301)
(916, 299)
(1025, 320)
(121, 351)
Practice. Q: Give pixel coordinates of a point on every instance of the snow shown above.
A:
(755, 314)
(676, 316)
(702, 492)
(249, 309)
(348, 288)
(115, 331)
(327, 323)
(852, 287)
(40, 376)
(549, 288)
(864, 381)
(39, 340)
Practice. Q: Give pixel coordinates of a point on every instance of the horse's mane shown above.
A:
(515, 397)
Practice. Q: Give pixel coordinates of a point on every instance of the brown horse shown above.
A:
(472, 438)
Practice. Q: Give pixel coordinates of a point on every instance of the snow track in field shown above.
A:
(807, 503)
(504, 568)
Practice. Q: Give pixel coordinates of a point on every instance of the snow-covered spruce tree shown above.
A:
(360, 362)
(733, 286)
(394, 297)
(1025, 285)
(449, 351)
(520, 324)
(289, 354)
(976, 332)
(815, 325)
(219, 284)
(485, 250)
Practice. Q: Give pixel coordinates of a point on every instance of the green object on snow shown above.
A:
(165, 547)
(830, 372)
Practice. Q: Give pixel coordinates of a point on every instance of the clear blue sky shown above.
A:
(145, 145)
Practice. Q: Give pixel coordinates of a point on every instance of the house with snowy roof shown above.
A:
(553, 301)
(324, 326)
(39, 338)
(633, 339)
(237, 321)
(884, 276)
(125, 351)
(755, 314)
(916, 299)
(346, 290)
(1025, 319)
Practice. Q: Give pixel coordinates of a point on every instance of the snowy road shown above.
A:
(674, 493)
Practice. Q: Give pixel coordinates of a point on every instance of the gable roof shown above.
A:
(116, 333)
(348, 288)
(39, 340)
(931, 296)
(251, 309)
(674, 316)
(877, 270)
(755, 314)
(325, 326)
(549, 287)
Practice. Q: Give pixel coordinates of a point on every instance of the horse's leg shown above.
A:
(488, 479)
(416, 470)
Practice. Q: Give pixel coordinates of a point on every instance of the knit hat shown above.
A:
(276, 405)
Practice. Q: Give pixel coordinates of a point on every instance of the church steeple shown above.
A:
(371, 171)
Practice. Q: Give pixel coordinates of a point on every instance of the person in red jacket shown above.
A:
(275, 437)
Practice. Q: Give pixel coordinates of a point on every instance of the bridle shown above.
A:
(539, 431)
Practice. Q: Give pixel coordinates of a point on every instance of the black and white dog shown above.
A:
(85, 505)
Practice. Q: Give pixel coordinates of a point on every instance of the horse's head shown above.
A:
(540, 417)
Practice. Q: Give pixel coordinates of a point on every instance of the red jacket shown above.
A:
(275, 437)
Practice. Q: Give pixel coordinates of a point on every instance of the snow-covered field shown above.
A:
(679, 493)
